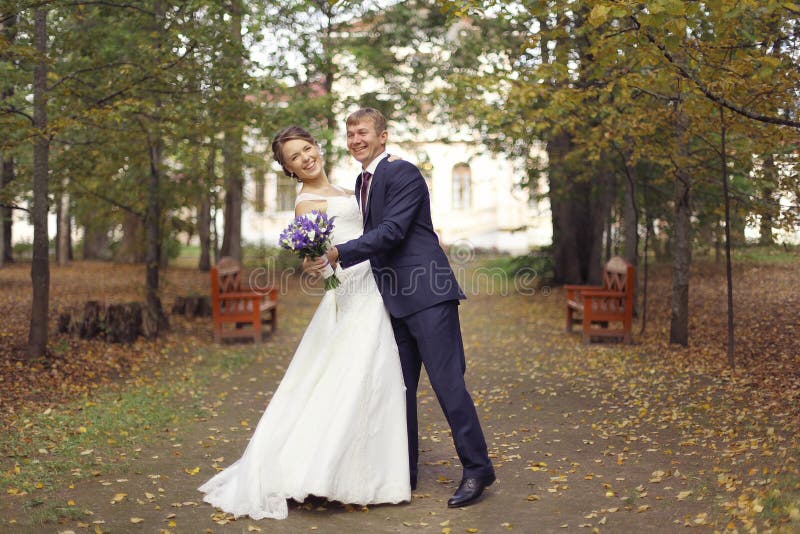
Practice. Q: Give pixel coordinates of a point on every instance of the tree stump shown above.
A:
(64, 320)
(192, 306)
(123, 322)
(120, 323)
(154, 320)
(179, 306)
(91, 323)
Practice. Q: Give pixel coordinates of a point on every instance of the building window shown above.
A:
(462, 186)
(287, 192)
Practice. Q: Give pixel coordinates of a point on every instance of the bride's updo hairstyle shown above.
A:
(284, 136)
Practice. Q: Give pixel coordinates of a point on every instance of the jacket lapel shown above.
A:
(374, 189)
(357, 190)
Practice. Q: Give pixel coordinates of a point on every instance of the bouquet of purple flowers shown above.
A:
(309, 235)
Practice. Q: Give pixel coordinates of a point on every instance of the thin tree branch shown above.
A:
(106, 198)
(78, 72)
(112, 4)
(686, 73)
(14, 111)
(145, 78)
(655, 95)
(14, 207)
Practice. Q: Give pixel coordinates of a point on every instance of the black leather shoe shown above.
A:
(469, 490)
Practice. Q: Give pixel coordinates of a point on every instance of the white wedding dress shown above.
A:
(336, 425)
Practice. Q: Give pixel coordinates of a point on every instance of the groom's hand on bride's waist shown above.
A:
(333, 256)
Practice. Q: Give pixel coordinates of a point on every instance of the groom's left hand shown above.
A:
(333, 256)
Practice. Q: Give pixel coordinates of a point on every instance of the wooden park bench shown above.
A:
(244, 309)
(607, 310)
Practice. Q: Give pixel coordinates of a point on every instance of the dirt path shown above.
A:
(560, 467)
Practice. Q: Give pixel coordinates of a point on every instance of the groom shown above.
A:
(419, 290)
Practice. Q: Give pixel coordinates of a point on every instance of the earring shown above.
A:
(299, 181)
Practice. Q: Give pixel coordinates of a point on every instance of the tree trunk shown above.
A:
(566, 263)
(599, 196)
(132, 248)
(728, 271)
(64, 228)
(609, 246)
(204, 215)
(204, 233)
(579, 210)
(155, 320)
(40, 265)
(6, 224)
(232, 151)
(234, 193)
(328, 76)
(630, 230)
(681, 241)
(645, 253)
(772, 206)
(215, 248)
(96, 243)
(630, 221)
(8, 29)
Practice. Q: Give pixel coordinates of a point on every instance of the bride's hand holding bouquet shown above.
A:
(309, 236)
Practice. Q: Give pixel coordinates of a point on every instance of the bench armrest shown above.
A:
(602, 293)
(270, 292)
(238, 295)
(574, 287)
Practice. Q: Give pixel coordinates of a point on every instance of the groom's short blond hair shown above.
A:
(372, 114)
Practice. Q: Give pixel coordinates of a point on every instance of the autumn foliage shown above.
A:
(717, 445)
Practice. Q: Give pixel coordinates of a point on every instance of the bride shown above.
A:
(336, 425)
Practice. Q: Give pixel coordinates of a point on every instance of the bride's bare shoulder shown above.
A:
(304, 206)
(344, 190)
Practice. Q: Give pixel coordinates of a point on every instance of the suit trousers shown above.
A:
(432, 337)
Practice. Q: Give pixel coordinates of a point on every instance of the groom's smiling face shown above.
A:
(364, 142)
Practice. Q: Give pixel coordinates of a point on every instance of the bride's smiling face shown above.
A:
(303, 159)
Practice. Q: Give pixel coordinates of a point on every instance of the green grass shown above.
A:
(43, 512)
(90, 436)
(770, 255)
(189, 251)
(781, 504)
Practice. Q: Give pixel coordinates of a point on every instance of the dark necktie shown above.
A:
(365, 178)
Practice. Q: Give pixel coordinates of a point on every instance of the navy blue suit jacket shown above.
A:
(411, 269)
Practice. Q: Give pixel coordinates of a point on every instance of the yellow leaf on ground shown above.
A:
(136, 520)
